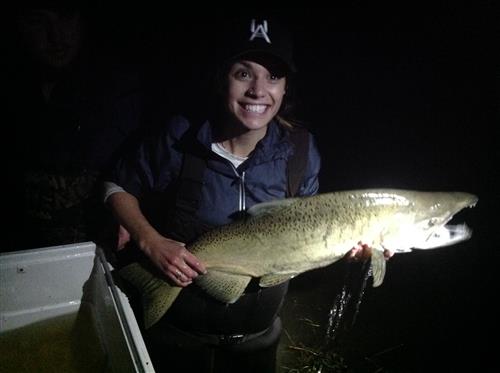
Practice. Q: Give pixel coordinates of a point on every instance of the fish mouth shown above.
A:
(450, 234)
(444, 234)
(459, 230)
(470, 202)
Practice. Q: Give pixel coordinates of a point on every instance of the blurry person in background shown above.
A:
(72, 110)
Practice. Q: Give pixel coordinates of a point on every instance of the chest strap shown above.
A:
(191, 177)
(297, 163)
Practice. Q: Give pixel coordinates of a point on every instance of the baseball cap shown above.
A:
(258, 36)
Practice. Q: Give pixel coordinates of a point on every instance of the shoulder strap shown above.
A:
(183, 224)
(191, 174)
(190, 183)
(297, 162)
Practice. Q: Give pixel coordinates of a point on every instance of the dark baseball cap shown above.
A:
(258, 36)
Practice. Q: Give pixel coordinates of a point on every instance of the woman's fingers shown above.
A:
(193, 263)
(181, 266)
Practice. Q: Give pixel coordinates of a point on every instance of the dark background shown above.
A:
(405, 109)
(389, 108)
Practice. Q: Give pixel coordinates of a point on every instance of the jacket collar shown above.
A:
(274, 145)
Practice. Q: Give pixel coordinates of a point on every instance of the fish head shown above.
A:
(424, 225)
(434, 213)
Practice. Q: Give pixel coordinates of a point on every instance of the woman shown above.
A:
(244, 148)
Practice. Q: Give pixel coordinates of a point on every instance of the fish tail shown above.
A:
(156, 294)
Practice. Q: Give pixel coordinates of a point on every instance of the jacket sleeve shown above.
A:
(310, 185)
(153, 164)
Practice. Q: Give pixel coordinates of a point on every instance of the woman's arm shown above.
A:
(170, 256)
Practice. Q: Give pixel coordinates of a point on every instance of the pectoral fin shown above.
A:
(273, 280)
(223, 286)
(157, 295)
(378, 267)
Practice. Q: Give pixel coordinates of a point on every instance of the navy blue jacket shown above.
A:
(157, 163)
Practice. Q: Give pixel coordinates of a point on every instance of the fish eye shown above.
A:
(432, 222)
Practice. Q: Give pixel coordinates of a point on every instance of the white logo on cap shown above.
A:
(259, 31)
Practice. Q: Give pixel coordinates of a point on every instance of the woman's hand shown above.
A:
(169, 256)
(173, 259)
(362, 252)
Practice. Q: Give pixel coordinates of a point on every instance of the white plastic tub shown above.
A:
(61, 312)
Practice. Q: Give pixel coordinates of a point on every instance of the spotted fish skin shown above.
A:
(281, 239)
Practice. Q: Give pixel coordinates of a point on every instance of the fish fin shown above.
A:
(273, 279)
(223, 286)
(378, 267)
(157, 295)
(270, 207)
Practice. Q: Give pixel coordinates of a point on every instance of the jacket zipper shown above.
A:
(242, 205)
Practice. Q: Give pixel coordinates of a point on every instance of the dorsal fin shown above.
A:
(270, 207)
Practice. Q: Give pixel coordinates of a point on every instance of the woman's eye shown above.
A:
(275, 78)
(242, 74)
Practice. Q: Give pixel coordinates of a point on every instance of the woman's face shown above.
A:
(254, 94)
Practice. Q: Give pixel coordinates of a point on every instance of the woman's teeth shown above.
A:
(255, 108)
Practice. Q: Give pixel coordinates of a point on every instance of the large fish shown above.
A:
(281, 239)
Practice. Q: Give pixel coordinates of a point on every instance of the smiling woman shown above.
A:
(209, 172)
(245, 150)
